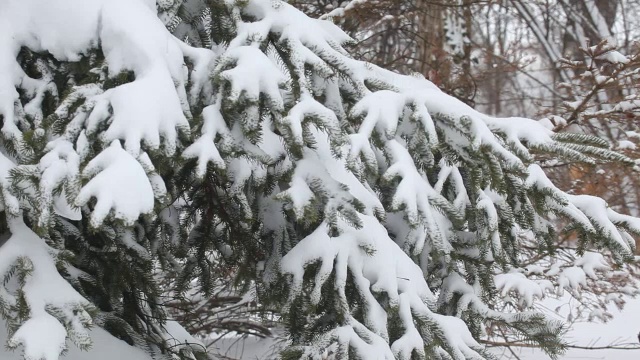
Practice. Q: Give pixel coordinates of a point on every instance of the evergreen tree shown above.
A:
(384, 218)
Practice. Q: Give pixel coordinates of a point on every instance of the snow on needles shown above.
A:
(119, 183)
(326, 155)
(45, 292)
(149, 111)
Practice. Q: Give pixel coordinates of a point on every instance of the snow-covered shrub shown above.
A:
(384, 218)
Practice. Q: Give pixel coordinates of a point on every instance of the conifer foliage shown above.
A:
(384, 218)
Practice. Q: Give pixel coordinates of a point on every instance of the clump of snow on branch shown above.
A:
(333, 155)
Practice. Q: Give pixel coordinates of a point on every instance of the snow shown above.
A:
(384, 269)
(626, 145)
(105, 347)
(252, 348)
(599, 212)
(48, 330)
(591, 262)
(571, 278)
(411, 340)
(411, 106)
(204, 148)
(630, 105)
(149, 111)
(253, 74)
(30, 23)
(176, 335)
(383, 110)
(622, 330)
(413, 191)
(456, 332)
(119, 183)
(60, 164)
(340, 11)
(146, 110)
(573, 104)
(128, 125)
(308, 107)
(10, 203)
(526, 289)
(614, 57)
(619, 330)
(44, 289)
(354, 335)
(126, 33)
(591, 212)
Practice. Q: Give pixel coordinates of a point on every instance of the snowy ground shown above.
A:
(622, 329)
